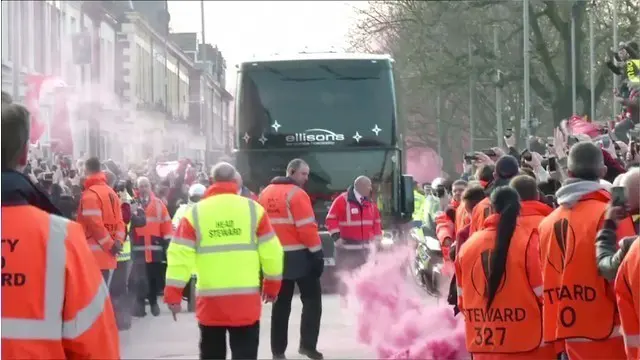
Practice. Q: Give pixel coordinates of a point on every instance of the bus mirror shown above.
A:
(406, 198)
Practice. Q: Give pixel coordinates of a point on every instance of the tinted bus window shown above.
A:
(316, 103)
(332, 172)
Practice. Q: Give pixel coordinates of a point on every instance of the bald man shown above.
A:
(354, 224)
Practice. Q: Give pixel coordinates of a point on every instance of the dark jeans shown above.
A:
(148, 280)
(311, 296)
(243, 341)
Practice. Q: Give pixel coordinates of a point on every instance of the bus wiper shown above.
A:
(302, 80)
(357, 78)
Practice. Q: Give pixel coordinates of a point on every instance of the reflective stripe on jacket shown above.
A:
(100, 214)
(628, 299)
(358, 224)
(125, 254)
(148, 242)
(227, 249)
(55, 302)
(291, 214)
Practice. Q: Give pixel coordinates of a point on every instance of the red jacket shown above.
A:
(356, 223)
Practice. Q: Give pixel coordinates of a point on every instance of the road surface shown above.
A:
(162, 338)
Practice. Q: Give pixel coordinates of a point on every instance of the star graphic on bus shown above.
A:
(276, 126)
(376, 129)
(357, 137)
(263, 139)
(246, 137)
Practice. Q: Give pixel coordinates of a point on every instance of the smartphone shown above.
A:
(551, 166)
(618, 196)
(508, 132)
(489, 152)
(470, 157)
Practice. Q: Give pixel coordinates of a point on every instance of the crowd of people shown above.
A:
(542, 243)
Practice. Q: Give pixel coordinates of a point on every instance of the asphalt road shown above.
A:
(162, 338)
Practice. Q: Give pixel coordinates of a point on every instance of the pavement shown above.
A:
(163, 338)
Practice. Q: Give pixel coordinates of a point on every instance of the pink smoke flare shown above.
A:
(394, 318)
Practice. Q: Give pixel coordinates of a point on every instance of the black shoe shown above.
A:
(280, 357)
(311, 354)
(155, 310)
(139, 311)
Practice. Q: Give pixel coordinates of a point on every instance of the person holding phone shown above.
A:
(609, 253)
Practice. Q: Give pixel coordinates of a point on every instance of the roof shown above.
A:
(317, 56)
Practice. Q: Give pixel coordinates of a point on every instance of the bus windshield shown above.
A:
(316, 103)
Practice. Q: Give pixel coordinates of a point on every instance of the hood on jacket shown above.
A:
(18, 190)
(575, 189)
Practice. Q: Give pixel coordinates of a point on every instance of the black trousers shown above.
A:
(311, 296)
(243, 341)
(148, 280)
(120, 296)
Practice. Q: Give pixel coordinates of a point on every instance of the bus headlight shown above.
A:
(387, 238)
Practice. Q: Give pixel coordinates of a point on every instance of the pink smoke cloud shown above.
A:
(393, 317)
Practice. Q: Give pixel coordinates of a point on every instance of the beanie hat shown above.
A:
(507, 167)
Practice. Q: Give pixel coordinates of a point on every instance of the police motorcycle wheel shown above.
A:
(427, 263)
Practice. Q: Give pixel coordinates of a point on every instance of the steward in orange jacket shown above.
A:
(447, 226)
(148, 245)
(100, 214)
(532, 211)
(579, 306)
(503, 314)
(506, 168)
(291, 214)
(55, 304)
(628, 298)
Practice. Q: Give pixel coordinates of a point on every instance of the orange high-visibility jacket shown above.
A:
(100, 214)
(512, 327)
(628, 298)
(478, 215)
(149, 241)
(55, 304)
(575, 292)
(291, 214)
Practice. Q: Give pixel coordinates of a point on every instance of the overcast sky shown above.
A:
(241, 29)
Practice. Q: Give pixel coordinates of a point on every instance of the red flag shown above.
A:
(34, 83)
(38, 87)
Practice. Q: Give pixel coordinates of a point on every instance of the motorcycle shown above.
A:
(428, 262)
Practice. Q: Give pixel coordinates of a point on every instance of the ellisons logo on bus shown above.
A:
(314, 137)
